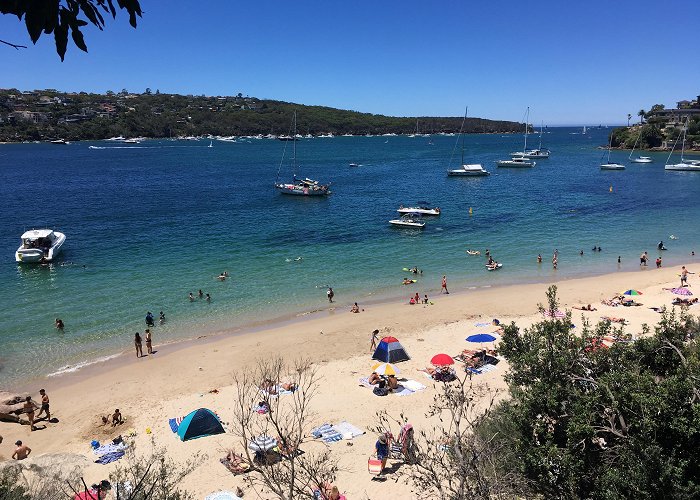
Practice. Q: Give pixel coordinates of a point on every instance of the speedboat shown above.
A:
(39, 245)
(642, 159)
(408, 220)
(60, 141)
(469, 170)
(421, 209)
(516, 162)
(612, 166)
(131, 141)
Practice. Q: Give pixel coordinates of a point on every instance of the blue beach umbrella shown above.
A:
(481, 337)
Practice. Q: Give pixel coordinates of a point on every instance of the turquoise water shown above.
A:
(146, 224)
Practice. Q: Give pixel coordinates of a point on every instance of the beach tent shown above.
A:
(199, 423)
(390, 350)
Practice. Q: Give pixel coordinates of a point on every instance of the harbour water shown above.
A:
(148, 223)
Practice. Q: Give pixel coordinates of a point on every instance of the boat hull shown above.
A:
(421, 211)
(683, 167)
(402, 223)
(466, 173)
(612, 166)
(36, 255)
(642, 160)
(515, 164)
(295, 190)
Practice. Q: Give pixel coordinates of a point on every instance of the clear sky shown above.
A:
(583, 62)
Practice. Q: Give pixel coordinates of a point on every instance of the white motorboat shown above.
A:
(467, 169)
(39, 245)
(421, 209)
(60, 141)
(518, 159)
(608, 165)
(408, 220)
(684, 165)
(642, 159)
(131, 141)
(516, 162)
(299, 187)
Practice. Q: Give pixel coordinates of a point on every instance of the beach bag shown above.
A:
(380, 391)
(374, 466)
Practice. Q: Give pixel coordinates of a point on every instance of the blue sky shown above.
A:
(571, 62)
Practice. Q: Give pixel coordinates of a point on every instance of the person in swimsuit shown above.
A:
(161, 319)
(208, 298)
(149, 319)
(138, 345)
(373, 340)
(44, 405)
(149, 342)
(22, 451)
(444, 285)
(117, 418)
(539, 258)
(59, 323)
(28, 408)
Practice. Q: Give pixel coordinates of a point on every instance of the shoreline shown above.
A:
(175, 381)
(70, 374)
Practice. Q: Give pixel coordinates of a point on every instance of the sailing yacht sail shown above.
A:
(518, 159)
(467, 170)
(299, 187)
(611, 166)
(641, 159)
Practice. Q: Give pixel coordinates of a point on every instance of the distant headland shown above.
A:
(41, 115)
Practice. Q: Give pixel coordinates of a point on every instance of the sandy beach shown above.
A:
(178, 379)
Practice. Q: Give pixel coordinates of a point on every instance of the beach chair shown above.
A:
(403, 447)
(374, 466)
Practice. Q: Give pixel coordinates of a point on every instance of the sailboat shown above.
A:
(518, 160)
(467, 170)
(299, 187)
(540, 152)
(684, 165)
(641, 159)
(584, 130)
(611, 166)
(211, 144)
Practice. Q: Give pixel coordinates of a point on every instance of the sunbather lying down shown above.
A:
(235, 463)
(684, 302)
(440, 373)
(270, 387)
(584, 308)
(612, 319)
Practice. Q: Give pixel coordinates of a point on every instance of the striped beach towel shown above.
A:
(175, 423)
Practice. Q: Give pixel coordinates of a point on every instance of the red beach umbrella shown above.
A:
(442, 360)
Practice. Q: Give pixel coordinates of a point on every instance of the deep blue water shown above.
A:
(148, 223)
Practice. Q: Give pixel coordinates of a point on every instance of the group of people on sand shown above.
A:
(138, 343)
(117, 418)
(415, 299)
(29, 408)
(200, 295)
(383, 384)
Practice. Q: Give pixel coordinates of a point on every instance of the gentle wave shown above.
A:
(74, 368)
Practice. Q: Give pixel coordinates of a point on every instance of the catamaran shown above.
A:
(518, 159)
(467, 169)
(684, 165)
(611, 166)
(299, 187)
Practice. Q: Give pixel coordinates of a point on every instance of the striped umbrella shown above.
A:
(385, 369)
(262, 443)
(632, 292)
(681, 291)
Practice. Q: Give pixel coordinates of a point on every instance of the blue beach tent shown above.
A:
(199, 423)
(390, 350)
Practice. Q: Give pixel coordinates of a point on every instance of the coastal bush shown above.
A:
(10, 485)
(588, 421)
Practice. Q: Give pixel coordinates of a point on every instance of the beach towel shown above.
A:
(108, 458)
(481, 324)
(364, 382)
(174, 423)
(347, 429)
(279, 392)
(413, 385)
(484, 369)
(403, 391)
(261, 409)
(109, 448)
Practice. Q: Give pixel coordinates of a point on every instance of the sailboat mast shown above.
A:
(527, 118)
(541, 127)
(609, 146)
(466, 112)
(294, 147)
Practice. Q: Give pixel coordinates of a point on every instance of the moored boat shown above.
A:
(516, 162)
(684, 165)
(39, 245)
(421, 209)
(467, 169)
(408, 220)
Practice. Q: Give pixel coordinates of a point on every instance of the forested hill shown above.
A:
(48, 114)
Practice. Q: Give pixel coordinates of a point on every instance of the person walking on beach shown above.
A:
(373, 340)
(21, 452)
(138, 344)
(44, 405)
(330, 294)
(28, 408)
(443, 289)
(643, 259)
(684, 276)
(149, 341)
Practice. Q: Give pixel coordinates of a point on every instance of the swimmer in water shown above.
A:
(191, 297)
(208, 298)
(539, 258)
(200, 293)
(161, 318)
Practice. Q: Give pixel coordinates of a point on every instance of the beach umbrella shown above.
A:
(681, 291)
(481, 337)
(442, 360)
(632, 292)
(385, 369)
(262, 443)
(223, 495)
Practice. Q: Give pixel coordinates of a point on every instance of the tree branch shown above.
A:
(17, 47)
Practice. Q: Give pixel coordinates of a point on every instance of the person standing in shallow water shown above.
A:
(443, 288)
(330, 294)
(138, 344)
(149, 342)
